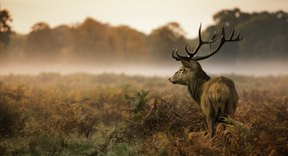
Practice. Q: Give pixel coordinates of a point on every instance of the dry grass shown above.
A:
(109, 114)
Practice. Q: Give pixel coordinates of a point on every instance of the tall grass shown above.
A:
(108, 114)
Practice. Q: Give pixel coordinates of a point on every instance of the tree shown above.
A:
(265, 35)
(5, 28)
(42, 42)
(130, 44)
(163, 39)
(90, 40)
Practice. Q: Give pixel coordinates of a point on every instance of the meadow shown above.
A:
(114, 114)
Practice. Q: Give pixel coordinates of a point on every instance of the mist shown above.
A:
(161, 70)
(95, 47)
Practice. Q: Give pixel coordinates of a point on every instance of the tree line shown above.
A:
(265, 35)
(265, 38)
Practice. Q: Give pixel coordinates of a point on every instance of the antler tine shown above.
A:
(173, 54)
(223, 32)
(178, 57)
(214, 35)
(238, 38)
(199, 34)
(186, 49)
(232, 35)
(200, 42)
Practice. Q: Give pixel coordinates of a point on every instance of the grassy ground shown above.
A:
(107, 114)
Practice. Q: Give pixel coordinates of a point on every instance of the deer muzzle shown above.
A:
(171, 80)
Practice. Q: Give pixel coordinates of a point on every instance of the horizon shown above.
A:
(142, 16)
(258, 69)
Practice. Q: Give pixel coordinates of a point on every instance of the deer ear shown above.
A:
(186, 64)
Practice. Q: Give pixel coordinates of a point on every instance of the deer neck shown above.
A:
(195, 86)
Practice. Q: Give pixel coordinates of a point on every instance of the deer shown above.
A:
(217, 97)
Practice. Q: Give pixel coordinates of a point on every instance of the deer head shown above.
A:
(191, 69)
(187, 73)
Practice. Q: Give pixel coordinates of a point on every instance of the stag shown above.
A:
(217, 96)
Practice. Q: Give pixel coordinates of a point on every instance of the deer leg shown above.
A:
(211, 125)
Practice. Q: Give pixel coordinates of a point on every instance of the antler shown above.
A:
(191, 55)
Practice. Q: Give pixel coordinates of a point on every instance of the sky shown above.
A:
(143, 15)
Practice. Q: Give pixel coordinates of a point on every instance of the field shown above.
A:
(109, 114)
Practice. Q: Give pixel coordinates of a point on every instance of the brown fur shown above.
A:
(217, 96)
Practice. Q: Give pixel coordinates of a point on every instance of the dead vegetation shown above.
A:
(108, 114)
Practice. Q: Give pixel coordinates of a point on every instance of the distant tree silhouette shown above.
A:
(96, 41)
(164, 39)
(265, 38)
(5, 28)
(265, 35)
(42, 42)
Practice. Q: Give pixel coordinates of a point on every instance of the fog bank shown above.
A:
(254, 69)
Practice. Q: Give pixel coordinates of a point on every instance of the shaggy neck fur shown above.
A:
(196, 84)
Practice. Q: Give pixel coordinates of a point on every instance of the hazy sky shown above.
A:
(143, 15)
